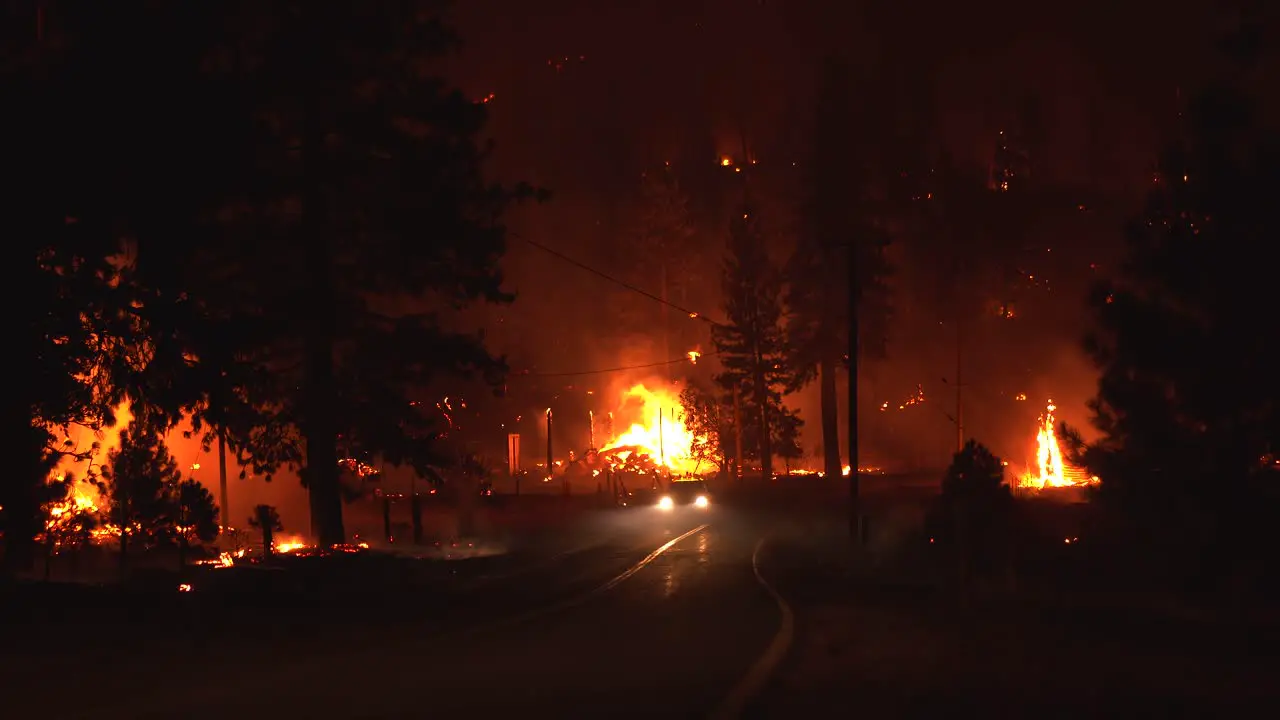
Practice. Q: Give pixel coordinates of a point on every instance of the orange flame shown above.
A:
(657, 430)
(1050, 469)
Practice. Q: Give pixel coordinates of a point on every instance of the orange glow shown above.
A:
(693, 356)
(649, 441)
(289, 544)
(726, 161)
(1050, 469)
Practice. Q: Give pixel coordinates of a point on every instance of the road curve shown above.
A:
(670, 637)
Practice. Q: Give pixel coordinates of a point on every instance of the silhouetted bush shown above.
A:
(971, 521)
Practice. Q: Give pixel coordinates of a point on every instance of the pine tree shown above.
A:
(142, 480)
(663, 255)
(751, 345)
(704, 417)
(71, 331)
(840, 211)
(1186, 402)
(266, 519)
(972, 514)
(195, 515)
(333, 214)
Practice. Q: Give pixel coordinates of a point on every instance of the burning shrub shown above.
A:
(972, 518)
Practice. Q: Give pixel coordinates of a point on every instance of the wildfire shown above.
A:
(289, 545)
(1050, 469)
(657, 434)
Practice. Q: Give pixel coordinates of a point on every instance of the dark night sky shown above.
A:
(677, 81)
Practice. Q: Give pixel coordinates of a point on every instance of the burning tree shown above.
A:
(751, 346)
(1186, 403)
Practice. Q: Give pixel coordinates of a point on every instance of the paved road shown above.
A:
(679, 625)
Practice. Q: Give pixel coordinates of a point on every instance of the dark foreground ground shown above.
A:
(638, 614)
(613, 627)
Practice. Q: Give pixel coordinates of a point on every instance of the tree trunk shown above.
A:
(830, 414)
(225, 511)
(467, 492)
(854, 301)
(761, 393)
(124, 547)
(268, 542)
(320, 424)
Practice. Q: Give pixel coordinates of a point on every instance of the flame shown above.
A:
(288, 544)
(657, 435)
(1050, 469)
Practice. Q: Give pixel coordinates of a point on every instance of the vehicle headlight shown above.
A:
(666, 503)
(701, 501)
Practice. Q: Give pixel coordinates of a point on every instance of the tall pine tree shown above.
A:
(751, 345)
(843, 211)
(1187, 399)
(332, 216)
(74, 332)
(664, 255)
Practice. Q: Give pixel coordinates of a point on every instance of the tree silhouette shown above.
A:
(333, 216)
(1186, 400)
(196, 516)
(704, 417)
(663, 253)
(972, 514)
(841, 212)
(266, 519)
(141, 481)
(71, 326)
(751, 345)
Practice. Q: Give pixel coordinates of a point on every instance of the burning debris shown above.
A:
(1050, 469)
(657, 439)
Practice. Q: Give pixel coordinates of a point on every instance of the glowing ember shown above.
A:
(292, 544)
(1050, 469)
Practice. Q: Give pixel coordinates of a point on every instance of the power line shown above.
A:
(616, 369)
(600, 273)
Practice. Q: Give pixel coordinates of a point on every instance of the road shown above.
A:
(662, 620)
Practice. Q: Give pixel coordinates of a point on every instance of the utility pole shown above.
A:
(550, 463)
(666, 322)
(662, 448)
(855, 296)
(222, 478)
(959, 385)
(737, 431)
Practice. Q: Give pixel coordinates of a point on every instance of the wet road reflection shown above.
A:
(690, 622)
